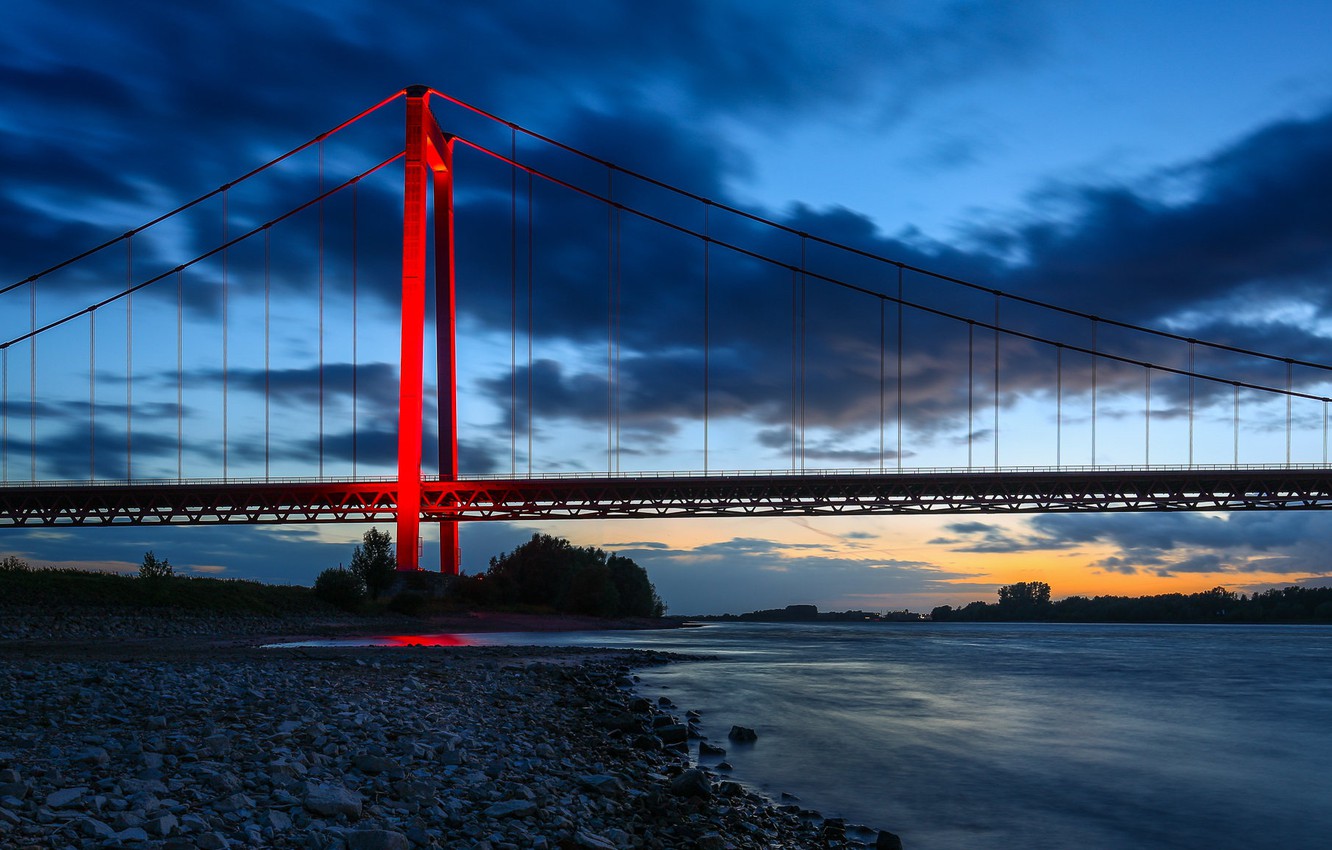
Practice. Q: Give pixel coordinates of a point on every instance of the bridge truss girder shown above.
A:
(851, 494)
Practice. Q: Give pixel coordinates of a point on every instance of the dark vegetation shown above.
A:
(156, 586)
(1030, 602)
(546, 574)
(550, 573)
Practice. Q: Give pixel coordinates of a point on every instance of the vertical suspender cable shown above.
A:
(1235, 419)
(795, 369)
(610, 319)
(1192, 375)
(529, 322)
(321, 309)
(1324, 432)
(997, 296)
(513, 302)
(225, 306)
(1147, 420)
(92, 394)
(129, 359)
(180, 374)
(1059, 405)
(356, 328)
(619, 325)
(1095, 362)
(4, 414)
(268, 355)
(32, 384)
(883, 356)
(803, 341)
(900, 306)
(707, 327)
(971, 383)
(1289, 401)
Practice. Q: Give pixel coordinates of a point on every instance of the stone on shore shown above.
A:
(511, 808)
(673, 733)
(691, 783)
(376, 839)
(331, 800)
(742, 735)
(65, 797)
(168, 745)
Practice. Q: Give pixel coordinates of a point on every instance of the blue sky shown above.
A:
(1142, 161)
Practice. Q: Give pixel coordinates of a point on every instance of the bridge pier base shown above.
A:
(449, 553)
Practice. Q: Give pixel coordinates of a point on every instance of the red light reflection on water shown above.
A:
(427, 640)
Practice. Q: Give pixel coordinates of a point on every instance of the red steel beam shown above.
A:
(610, 498)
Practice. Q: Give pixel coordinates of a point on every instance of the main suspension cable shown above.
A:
(161, 218)
(860, 252)
(805, 273)
(111, 299)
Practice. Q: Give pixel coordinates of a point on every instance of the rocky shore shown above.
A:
(203, 743)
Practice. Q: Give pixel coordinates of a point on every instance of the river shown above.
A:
(967, 735)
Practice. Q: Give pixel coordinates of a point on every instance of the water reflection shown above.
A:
(428, 640)
(447, 639)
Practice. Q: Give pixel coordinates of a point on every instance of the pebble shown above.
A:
(367, 749)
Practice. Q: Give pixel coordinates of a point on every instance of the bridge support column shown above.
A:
(428, 166)
(446, 350)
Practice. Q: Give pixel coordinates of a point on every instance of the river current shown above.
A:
(967, 735)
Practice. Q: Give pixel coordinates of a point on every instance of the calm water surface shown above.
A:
(1031, 736)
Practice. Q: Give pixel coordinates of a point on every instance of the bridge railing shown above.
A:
(1072, 469)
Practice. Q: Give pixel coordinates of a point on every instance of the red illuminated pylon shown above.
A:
(428, 159)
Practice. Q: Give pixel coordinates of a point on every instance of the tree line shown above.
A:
(546, 573)
(1029, 601)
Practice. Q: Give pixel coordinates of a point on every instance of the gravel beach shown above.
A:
(154, 735)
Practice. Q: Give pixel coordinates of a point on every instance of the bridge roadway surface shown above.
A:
(1018, 490)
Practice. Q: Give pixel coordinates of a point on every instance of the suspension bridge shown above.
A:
(258, 355)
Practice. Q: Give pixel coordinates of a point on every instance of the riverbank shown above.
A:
(42, 623)
(211, 742)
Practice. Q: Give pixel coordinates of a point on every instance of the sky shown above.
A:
(1152, 163)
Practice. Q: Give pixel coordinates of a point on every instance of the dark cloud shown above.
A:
(375, 384)
(1254, 219)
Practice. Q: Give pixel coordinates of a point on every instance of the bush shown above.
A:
(153, 569)
(14, 564)
(373, 563)
(340, 588)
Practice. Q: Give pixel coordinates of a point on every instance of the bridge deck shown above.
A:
(777, 494)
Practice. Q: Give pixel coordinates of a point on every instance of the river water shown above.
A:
(967, 735)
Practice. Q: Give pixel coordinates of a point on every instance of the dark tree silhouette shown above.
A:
(1030, 600)
(373, 562)
(551, 572)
